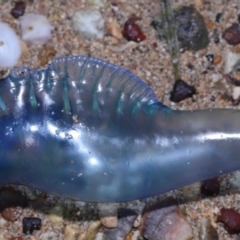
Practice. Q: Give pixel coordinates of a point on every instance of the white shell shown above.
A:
(88, 23)
(10, 46)
(35, 28)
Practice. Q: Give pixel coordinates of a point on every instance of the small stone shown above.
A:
(232, 34)
(210, 57)
(218, 17)
(92, 230)
(88, 23)
(217, 59)
(210, 25)
(191, 29)
(18, 9)
(114, 28)
(108, 215)
(164, 221)
(181, 91)
(210, 187)
(131, 31)
(230, 59)
(137, 221)
(56, 215)
(215, 36)
(126, 218)
(30, 224)
(215, 77)
(71, 232)
(236, 93)
(11, 213)
(16, 238)
(231, 220)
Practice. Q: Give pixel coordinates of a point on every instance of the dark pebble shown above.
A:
(210, 187)
(216, 36)
(191, 29)
(210, 58)
(218, 17)
(232, 34)
(231, 220)
(131, 31)
(18, 9)
(190, 66)
(16, 238)
(30, 224)
(181, 91)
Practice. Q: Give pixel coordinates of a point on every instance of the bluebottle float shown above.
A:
(89, 130)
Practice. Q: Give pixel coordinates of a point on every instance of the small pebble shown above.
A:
(71, 232)
(231, 220)
(218, 17)
(191, 28)
(230, 60)
(215, 77)
(131, 31)
(210, 187)
(181, 91)
(232, 34)
(12, 213)
(55, 215)
(137, 221)
(92, 230)
(217, 59)
(164, 221)
(16, 238)
(215, 36)
(114, 28)
(88, 23)
(210, 58)
(35, 28)
(108, 215)
(236, 93)
(18, 9)
(30, 224)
